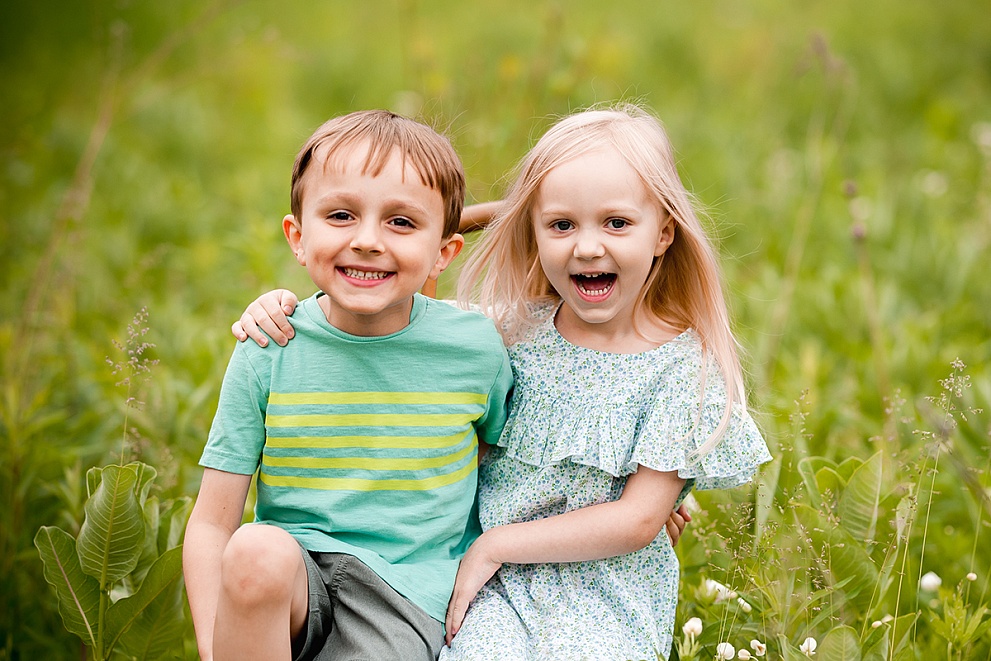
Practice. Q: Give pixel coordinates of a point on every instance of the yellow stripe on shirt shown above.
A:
(359, 484)
(452, 398)
(388, 442)
(368, 463)
(372, 420)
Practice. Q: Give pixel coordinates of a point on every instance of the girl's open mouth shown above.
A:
(594, 286)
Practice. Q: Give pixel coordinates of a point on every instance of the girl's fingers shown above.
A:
(455, 615)
(238, 331)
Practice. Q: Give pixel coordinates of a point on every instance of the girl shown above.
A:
(628, 393)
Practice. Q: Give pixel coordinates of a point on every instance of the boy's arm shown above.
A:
(591, 533)
(216, 515)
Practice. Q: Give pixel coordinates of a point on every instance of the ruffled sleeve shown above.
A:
(681, 419)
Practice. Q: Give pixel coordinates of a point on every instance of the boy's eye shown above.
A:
(400, 221)
(617, 223)
(341, 216)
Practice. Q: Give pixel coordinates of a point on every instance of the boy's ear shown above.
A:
(449, 249)
(294, 235)
(666, 236)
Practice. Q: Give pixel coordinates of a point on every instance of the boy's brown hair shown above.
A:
(430, 154)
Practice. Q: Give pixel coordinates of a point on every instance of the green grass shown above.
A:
(843, 152)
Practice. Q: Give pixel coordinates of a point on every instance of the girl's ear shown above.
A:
(449, 249)
(666, 236)
(293, 230)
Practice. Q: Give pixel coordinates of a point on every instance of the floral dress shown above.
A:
(580, 423)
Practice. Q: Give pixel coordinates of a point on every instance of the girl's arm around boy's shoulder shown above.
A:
(591, 533)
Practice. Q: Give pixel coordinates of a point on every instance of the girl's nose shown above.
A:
(588, 245)
(367, 237)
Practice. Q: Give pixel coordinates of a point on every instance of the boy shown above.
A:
(364, 430)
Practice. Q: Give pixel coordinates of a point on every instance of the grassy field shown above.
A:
(842, 151)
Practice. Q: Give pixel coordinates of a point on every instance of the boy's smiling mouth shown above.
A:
(594, 286)
(367, 276)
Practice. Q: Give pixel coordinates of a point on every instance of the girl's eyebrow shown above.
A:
(618, 210)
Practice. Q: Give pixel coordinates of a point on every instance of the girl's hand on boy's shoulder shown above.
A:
(476, 568)
(269, 313)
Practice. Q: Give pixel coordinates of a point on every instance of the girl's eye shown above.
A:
(617, 223)
(561, 225)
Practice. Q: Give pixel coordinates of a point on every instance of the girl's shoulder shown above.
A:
(534, 319)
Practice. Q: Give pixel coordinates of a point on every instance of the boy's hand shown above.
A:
(267, 313)
(676, 523)
(475, 570)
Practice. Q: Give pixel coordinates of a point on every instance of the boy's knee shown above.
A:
(259, 565)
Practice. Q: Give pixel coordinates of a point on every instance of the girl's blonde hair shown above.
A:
(504, 276)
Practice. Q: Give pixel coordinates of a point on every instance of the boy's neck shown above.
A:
(379, 324)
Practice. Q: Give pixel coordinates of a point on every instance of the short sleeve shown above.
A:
(237, 435)
(490, 425)
(687, 409)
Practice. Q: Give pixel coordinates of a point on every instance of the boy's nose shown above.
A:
(367, 237)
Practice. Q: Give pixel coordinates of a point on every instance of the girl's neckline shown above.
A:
(551, 321)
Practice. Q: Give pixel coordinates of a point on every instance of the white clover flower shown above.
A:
(716, 589)
(887, 618)
(725, 651)
(971, 576)
(758, 647)
(693, 627)
(744, 606)
(743, 654)
(930, 582)
(808, 648)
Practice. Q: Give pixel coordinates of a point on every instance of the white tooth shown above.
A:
(365, 275)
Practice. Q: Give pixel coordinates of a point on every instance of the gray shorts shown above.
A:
(356, 616)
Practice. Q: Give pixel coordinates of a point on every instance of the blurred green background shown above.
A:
(842, 151)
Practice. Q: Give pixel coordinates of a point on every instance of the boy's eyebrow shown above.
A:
(349, 199)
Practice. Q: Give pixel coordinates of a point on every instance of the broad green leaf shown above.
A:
(904, 516)
(807, 468)
(149, 624)
(145, 476)
(840, 644)
(848, 466)
(149, 550)
(901, 633)
(111, 537)
(831, 484)
(875, 645)
(172, 523)
(93, 477)
(847, 557)
(78, 594)
(859, 501)
(789, 652)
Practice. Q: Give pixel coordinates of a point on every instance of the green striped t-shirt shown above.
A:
(368, 445)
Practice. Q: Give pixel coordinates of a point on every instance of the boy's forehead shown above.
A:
(362, 158)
